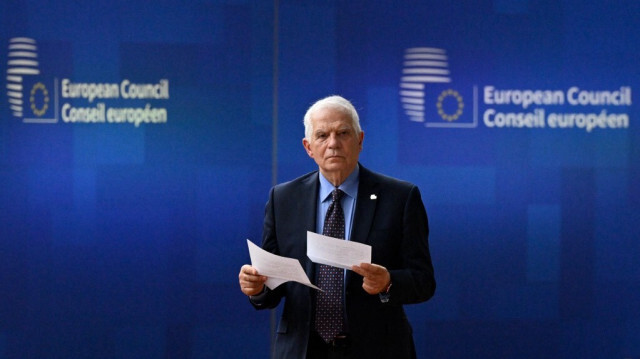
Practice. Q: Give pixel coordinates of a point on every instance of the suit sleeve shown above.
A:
(414, 280)
(269, 298)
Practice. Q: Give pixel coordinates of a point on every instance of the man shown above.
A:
(385, 213)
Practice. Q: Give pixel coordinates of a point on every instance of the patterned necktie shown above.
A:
(329, 318)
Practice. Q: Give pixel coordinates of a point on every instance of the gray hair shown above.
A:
(334, 102)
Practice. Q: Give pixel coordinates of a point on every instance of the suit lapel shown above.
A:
(309, 194)
(366, 203)
(365, 206)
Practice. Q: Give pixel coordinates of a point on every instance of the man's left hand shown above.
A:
(376, 278)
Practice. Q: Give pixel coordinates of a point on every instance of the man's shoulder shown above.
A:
(305, 180)
(383, 179)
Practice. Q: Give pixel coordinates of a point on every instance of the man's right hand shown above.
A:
(251, 283)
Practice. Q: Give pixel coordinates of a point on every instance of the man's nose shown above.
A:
(333, 140)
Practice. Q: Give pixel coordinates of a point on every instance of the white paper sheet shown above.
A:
(276, 268)
(336, 252)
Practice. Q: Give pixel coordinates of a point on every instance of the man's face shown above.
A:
(334, 144)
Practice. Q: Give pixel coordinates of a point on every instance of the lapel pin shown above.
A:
(374, 197)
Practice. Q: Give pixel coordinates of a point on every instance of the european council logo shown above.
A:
(30, 97)
(426, 92)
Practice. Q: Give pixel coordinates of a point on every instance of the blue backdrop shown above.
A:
(138, 142)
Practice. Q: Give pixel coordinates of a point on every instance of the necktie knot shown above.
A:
(336, 195)
(334, 218)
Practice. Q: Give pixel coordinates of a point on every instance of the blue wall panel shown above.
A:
(124, 241)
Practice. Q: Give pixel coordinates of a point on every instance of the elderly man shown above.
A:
(358, 313)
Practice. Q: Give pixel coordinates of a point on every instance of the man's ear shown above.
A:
(307, 146)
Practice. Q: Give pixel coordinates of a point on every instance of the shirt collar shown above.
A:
(349, 186)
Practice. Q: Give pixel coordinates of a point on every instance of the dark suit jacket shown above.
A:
(394, 223)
